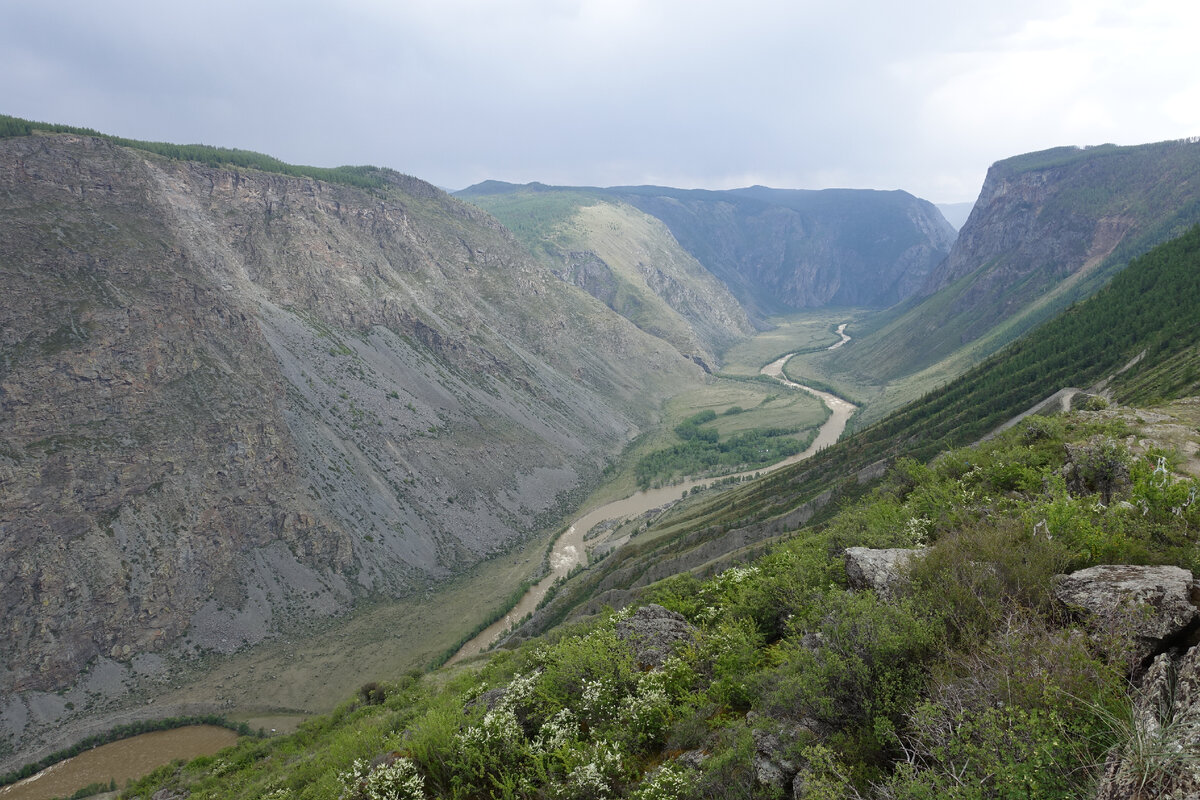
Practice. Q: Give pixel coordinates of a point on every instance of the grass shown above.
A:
(764, 406)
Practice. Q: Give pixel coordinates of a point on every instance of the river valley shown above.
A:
(569, 550)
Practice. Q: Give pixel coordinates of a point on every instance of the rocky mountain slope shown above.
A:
(778, 250)
(1049, 228)
(233, 400)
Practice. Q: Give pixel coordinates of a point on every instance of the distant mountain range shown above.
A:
(780, 250)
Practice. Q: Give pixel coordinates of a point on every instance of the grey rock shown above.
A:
(878, 570)
(774, 766)
(1156, 757)
(1145, 605)
(692, 758)
(489, 699)
(654, 632)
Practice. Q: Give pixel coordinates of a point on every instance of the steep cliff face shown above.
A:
(790, 249)
(1049, 228)
(235, 400)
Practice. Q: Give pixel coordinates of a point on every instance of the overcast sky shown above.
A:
(920, 95)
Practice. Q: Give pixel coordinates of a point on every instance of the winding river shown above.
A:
(569, 550)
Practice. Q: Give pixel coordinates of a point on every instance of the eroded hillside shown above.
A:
(233, 400)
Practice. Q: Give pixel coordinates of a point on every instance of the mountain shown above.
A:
(1048, 229)
(778, 250)
(626, 259)
(236, 398)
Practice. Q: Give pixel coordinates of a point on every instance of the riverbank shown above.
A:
(120, 761)
(569, 551)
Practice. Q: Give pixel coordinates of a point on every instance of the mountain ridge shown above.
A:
(781, 249)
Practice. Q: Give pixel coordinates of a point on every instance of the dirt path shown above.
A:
(569, 550)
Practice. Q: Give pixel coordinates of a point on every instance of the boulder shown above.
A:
(1150, 606)
(654, 632)
(880, 570)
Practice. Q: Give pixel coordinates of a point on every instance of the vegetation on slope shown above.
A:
(1049, 229)
(364, 177)
(971, 683)
(1149, 307)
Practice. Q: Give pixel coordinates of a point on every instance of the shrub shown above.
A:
(395, 778)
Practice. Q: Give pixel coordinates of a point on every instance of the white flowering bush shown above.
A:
(519, 691)
(668, 782)
(646, 714)
(598, 701)
(917, 529)
(397, 779)
(599, 770)
(497, 735)
(557, 733)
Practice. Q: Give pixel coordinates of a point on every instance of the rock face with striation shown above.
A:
(233, 400)
(1048, 229)
(785, 249)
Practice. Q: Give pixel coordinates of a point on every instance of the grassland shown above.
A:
(808, 331)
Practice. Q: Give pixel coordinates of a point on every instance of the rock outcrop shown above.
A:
(1151, 607)
(1155, 754)
(775, 743)
(882, 571)
(654, 633)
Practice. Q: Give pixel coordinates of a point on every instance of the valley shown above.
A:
(571, 551)
(271, 433)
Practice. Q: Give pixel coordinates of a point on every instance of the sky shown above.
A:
(874, 94)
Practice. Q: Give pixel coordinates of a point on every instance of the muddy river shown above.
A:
(120, 761)
(569, 549)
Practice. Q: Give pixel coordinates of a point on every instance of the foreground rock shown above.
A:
(653, 633)
(1155, 756)
(882, 571)
(1149, 606)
